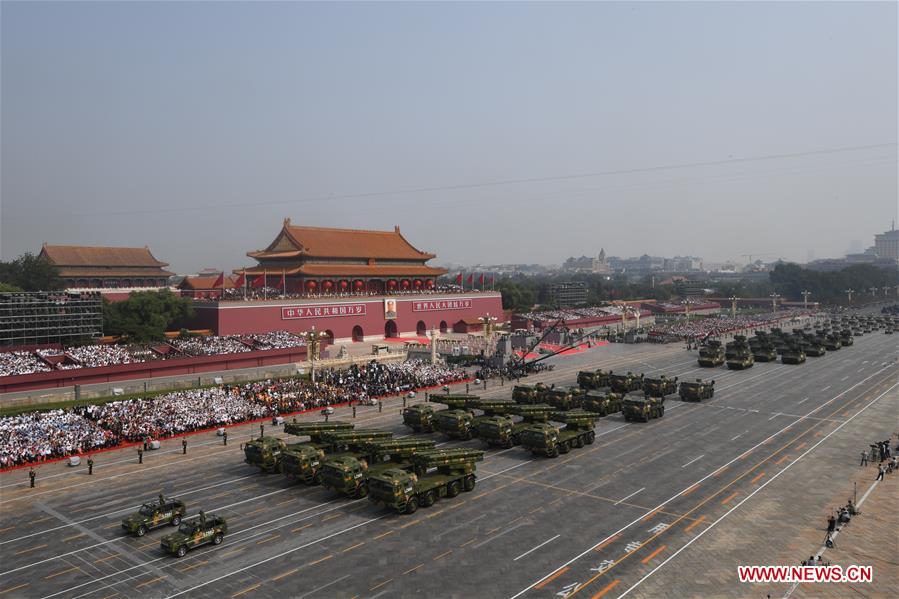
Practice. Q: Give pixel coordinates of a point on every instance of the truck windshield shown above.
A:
(147, 510)
(187, 528)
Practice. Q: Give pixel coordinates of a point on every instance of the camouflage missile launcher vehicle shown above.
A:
(812, 346)
(846, 337)
(550, 441)
(420, 418)
(264, 453)
(304, 462)
(832, 342)
(207, 529)
(697, 391)
(738, 355)
(528, 394)
(465, 424)
(602, 404)
(711, 354)
(436, 473)
(153, 515)
(564, 399)
(625, 383)
(504, 431)
(763, 349)
(659, 387)
(348, 473)
(593, 379)
(793, 354)
(642, 409)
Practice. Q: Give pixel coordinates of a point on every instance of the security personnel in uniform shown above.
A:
(184, 446)
(140, 455)
(354, 411)
(31, 476)
(224, 437)
(90, 465)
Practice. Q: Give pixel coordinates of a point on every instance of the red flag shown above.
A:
(280, 284)
(491, 279)
(481, 280)
(219, 282)
(258, 282)
(241, 280)
(459, 279)
(471, 279)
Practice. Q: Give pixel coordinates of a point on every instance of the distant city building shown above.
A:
(886, 245)
(587, 264)
(683, 264)
(568, 295)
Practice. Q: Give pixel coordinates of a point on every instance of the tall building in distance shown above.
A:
(568, 295)
(886, 245)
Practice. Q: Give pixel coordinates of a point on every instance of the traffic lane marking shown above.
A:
(694, 524)
(548, 580)
(693, 460)
(9, 590)
(757, 477)
(606, 589)
(631, 495)
(536, 547)
(649, 557)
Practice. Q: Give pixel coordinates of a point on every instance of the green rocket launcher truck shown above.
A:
(304, 462)
(266, 452)
(548, 440)
(436, 473)
(348, 473)
(504, 431)
(593, 379)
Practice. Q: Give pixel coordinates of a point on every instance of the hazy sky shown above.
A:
(195, 128)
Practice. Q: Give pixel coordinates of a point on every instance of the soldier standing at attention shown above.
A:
(90, 465)
(354, 411)
(184, 446)
(140, 455)
(31, 476)
(224, 437)
(864, 461)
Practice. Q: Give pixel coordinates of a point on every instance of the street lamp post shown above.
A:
(805, 295)
(313, 340)
(849, 292)
(873, 290)
(774, 297)
(733, 306)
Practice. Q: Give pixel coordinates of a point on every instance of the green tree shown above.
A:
(6, 288)
(145, 316)
(30, 273)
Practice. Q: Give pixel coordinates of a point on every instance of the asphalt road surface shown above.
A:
(594, 522)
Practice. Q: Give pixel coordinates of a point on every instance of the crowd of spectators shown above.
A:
(261, 293)
(700, 328)
(21, 362)
(92, 356)
(43, 435)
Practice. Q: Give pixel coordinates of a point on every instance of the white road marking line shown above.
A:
(776, 414)
(693, 460)
(765, 484)
(537, 547)
(629, 496)
(803, 401)
(738, 436)
(825, 388)
(844, 378)
(673, 497)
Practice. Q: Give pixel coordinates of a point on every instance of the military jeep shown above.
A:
(153, 515)
(207, 529)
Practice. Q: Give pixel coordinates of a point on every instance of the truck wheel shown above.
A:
(176, 519)
(468, 483)
(317, 478)
(579, 442)
(661, 411)
(590, 438)
(429, 499)
(564, 447)
(217, 539)
(466, 436)
(182, 551)
(453, 489)
(141, 530)
(412, 506)
(362, 491)
(552, 452)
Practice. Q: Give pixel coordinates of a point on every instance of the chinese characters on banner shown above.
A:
(433, 305)
(322, 311)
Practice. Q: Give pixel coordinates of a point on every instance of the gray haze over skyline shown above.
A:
(499, 132)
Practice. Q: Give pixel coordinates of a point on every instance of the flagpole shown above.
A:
(283, 282)
(244, 275)
(264, 284)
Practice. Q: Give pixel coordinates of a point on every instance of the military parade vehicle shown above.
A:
(763, 349)
(266, 452)
(456, 421)
(206, 529)
(504, 431)
(348, 473)
(832, 342)
(528, 394)
(793, 354)
(846, 337)
(659, 387)
(625, 383)
(711, 354)
(812, 346)
(153, 515)
(420, 417)
(697, 391)
(548, 440)
(738, 355)
(642, 408)
(436, 473)
(593, 379)
(303, 462)
(888, 331)
(465, 423)
(564, 399)
(602, 404)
